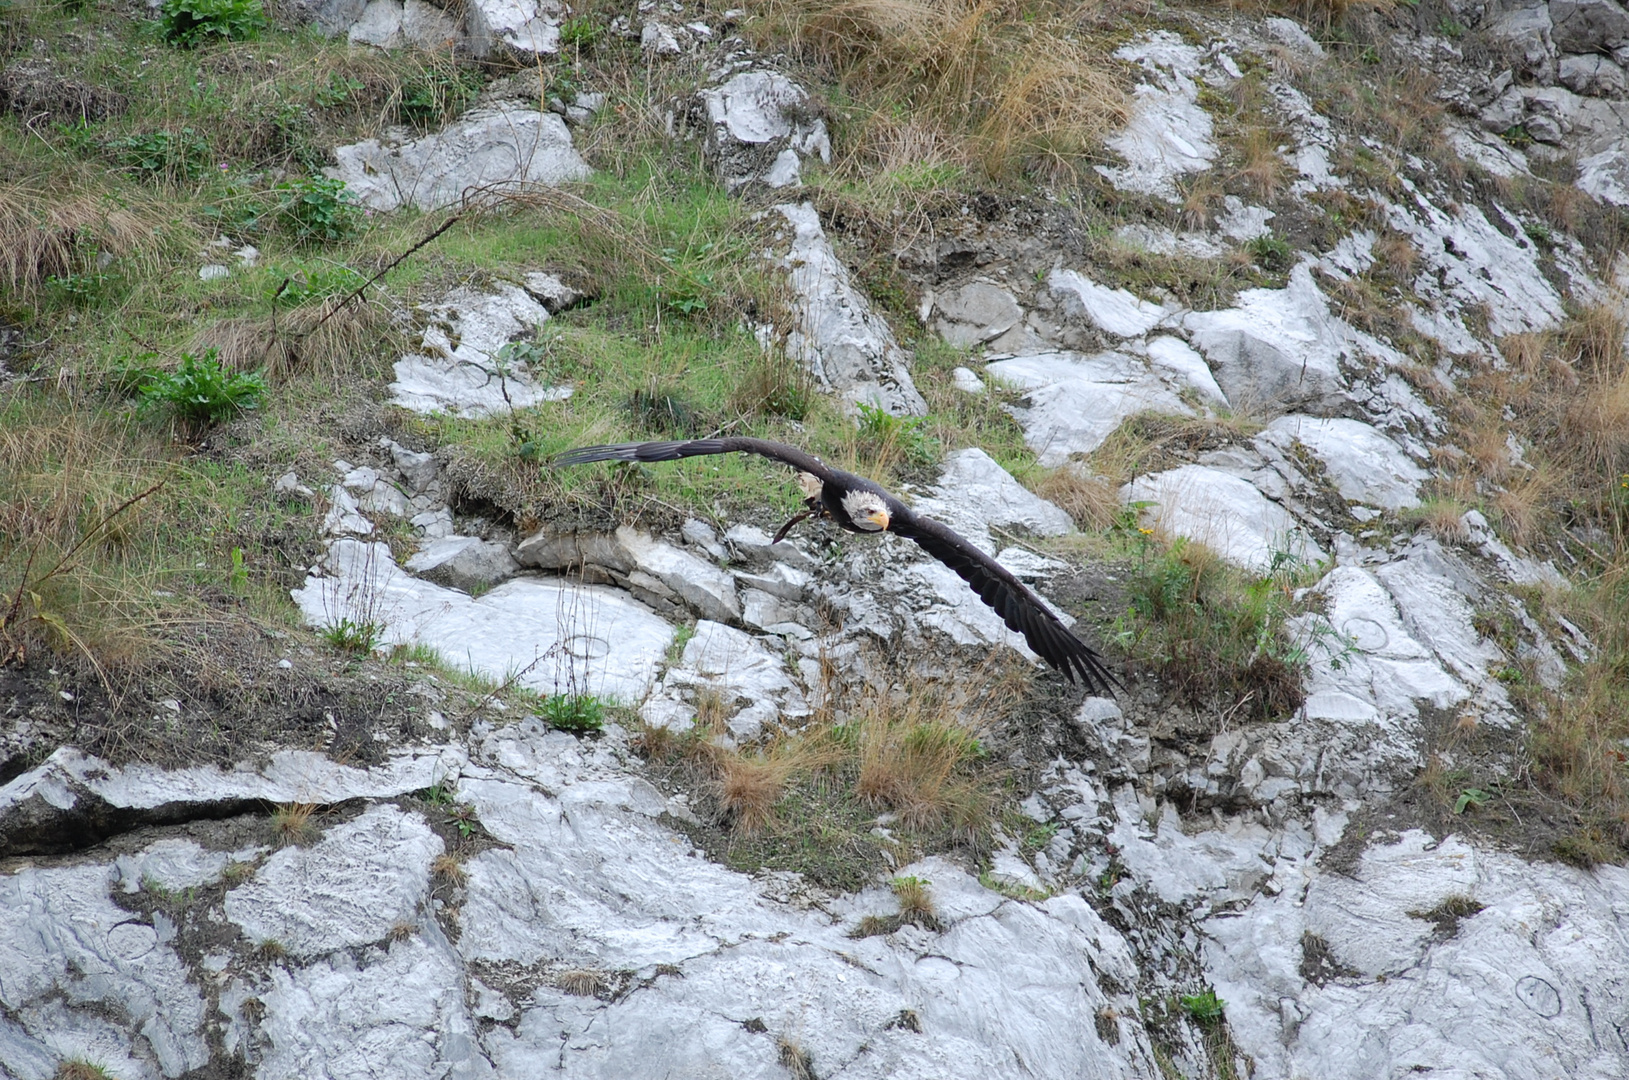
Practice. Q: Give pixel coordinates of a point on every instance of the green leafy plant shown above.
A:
(435, 95)
(189, 22)
(579, 714)
(78, 290)
(336, 91)
(905, 436)
(238, 580)
(1206, 1009)
(580, 32)
(352, 636)
(1270, 253)
(179, 155)
(202, 390)
(1470, 797)
(315, 209)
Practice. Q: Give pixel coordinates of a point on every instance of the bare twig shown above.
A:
(388, 267)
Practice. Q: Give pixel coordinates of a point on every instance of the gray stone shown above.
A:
(759, 129)
(465, 563)
(327, 17)
(1073, 402)
(702, 586)
(975, 494)
(1586, 26)
(362, 879)
(1526, 32)
(420, 469)
(1169, 133)
(1593, 75)
(1115, 311)
(554, 550)
(848, 349)
(975, 313)
(501, 144)
(1221, 511)
(547, 289)
(526, 29)
(1277, 351)
(658, 39)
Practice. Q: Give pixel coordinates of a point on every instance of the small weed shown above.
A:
(272, 949)
(1271, 253)
(580, 714)
(236, 873)
(463, 818)
(78, 290)
(797, 1061)
(1206, 1009)
(436, 95)
(1449, 28)
(316, 210)
(189, 22)
(915, 902)
(1470, 797)
(202, 390)
(583, 982)
(890, 439)
(580, 32)
(438, 794)
(1517, 135)
(173, 155)
(401, 931)
(336, 91)
(347, 635)
(449, 869)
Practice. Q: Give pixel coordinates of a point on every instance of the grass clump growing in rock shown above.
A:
(1216, 632)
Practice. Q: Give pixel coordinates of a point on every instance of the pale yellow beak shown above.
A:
(878, 518)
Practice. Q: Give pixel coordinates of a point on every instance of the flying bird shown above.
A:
(857, 505)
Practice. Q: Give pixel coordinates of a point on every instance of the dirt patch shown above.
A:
(38, 95)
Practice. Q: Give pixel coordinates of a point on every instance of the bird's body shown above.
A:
(858, 505)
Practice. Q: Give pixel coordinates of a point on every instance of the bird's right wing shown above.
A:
(672, 451)
(1018, 606)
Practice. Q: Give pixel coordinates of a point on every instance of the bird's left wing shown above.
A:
(1019, 608)
(672, 451)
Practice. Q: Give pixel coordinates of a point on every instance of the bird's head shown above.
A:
(867, 510)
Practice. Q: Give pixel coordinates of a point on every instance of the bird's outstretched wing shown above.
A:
(1018, 606)
(672, 451)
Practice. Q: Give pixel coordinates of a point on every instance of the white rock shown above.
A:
(967, 382)
(86, 979)
(1187, 367)
(1226, 514)
(848, 349)
(464, 562)
(559, 635)
(502, 144)
(1074, 402)
(547, 289)
(214, 272)
(1243, 223)
(1365, 465)
(975, 493)
(1169, 133)
(760, 128)
(658, 38)
(743, 666)
(461, 369)
(528, 28)
(1114, 310)
(1468, 263)
(174, 863)
(350, 888)
(1279, 349)
(1292, 34)
(1543, 946)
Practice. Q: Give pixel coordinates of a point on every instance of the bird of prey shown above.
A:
(857, 505)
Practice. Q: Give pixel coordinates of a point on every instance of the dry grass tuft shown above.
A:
(1442, 517)
(796, 1060)
(749, 786)
(1005, 84)
(75, 1069)
(319, 339)
(583, 982)
(911, 760)
(1092, 501)
(292, 821)
(915, 901)
(1260, 165)
(449, 869)
(45, 234)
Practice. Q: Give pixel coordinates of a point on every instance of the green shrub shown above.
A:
(579, 714)
(352, 636)
(893, 436)
(180, 155)
(1206, 1008)
(436, 95)
(202, 390)
(316, 209)
(188, 22)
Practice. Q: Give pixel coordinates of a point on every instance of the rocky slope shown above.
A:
(1287, 864)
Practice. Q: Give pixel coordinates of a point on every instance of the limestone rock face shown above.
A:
(760, 129)
(847, 348)
(496, 145)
